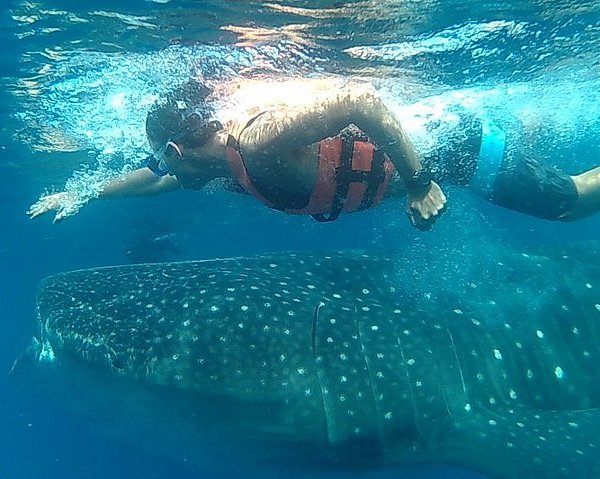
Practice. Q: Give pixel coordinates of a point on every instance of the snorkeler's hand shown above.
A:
(424, 208)
(64, 203)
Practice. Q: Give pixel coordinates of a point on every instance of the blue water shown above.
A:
(75, 88)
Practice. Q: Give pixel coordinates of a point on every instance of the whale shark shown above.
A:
(346, 356)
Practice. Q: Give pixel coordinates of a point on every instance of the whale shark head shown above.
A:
(342, 354)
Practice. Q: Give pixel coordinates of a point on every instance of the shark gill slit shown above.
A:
(313, 344)
(370, 375)
(313, 330)
(458, 364)
(410, 387)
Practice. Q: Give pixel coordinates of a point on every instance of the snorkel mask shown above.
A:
(193, 136)
(184, 109)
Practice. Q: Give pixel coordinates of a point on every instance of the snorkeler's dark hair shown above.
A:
(182, 114)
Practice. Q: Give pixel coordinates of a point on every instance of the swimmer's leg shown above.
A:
(588, 195)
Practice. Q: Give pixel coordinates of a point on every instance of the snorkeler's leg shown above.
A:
(588, 195)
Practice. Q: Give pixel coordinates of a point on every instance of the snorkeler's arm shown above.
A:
(327, 116)
(141, 182)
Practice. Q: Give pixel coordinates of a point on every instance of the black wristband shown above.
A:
(419, 181)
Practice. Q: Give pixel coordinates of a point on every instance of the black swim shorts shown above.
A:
(531, 186)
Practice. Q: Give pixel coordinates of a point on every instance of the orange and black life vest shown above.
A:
(353, 175)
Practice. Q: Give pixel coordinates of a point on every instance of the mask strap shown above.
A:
(176, 148)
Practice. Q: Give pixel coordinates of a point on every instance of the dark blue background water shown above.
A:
(39, 439)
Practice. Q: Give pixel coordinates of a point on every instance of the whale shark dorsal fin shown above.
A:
(527, 445)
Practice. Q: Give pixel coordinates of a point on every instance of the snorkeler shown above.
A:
(301, 155)
(321, 148)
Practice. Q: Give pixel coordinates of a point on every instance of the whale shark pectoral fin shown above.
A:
(513, 444)
(35, 353)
